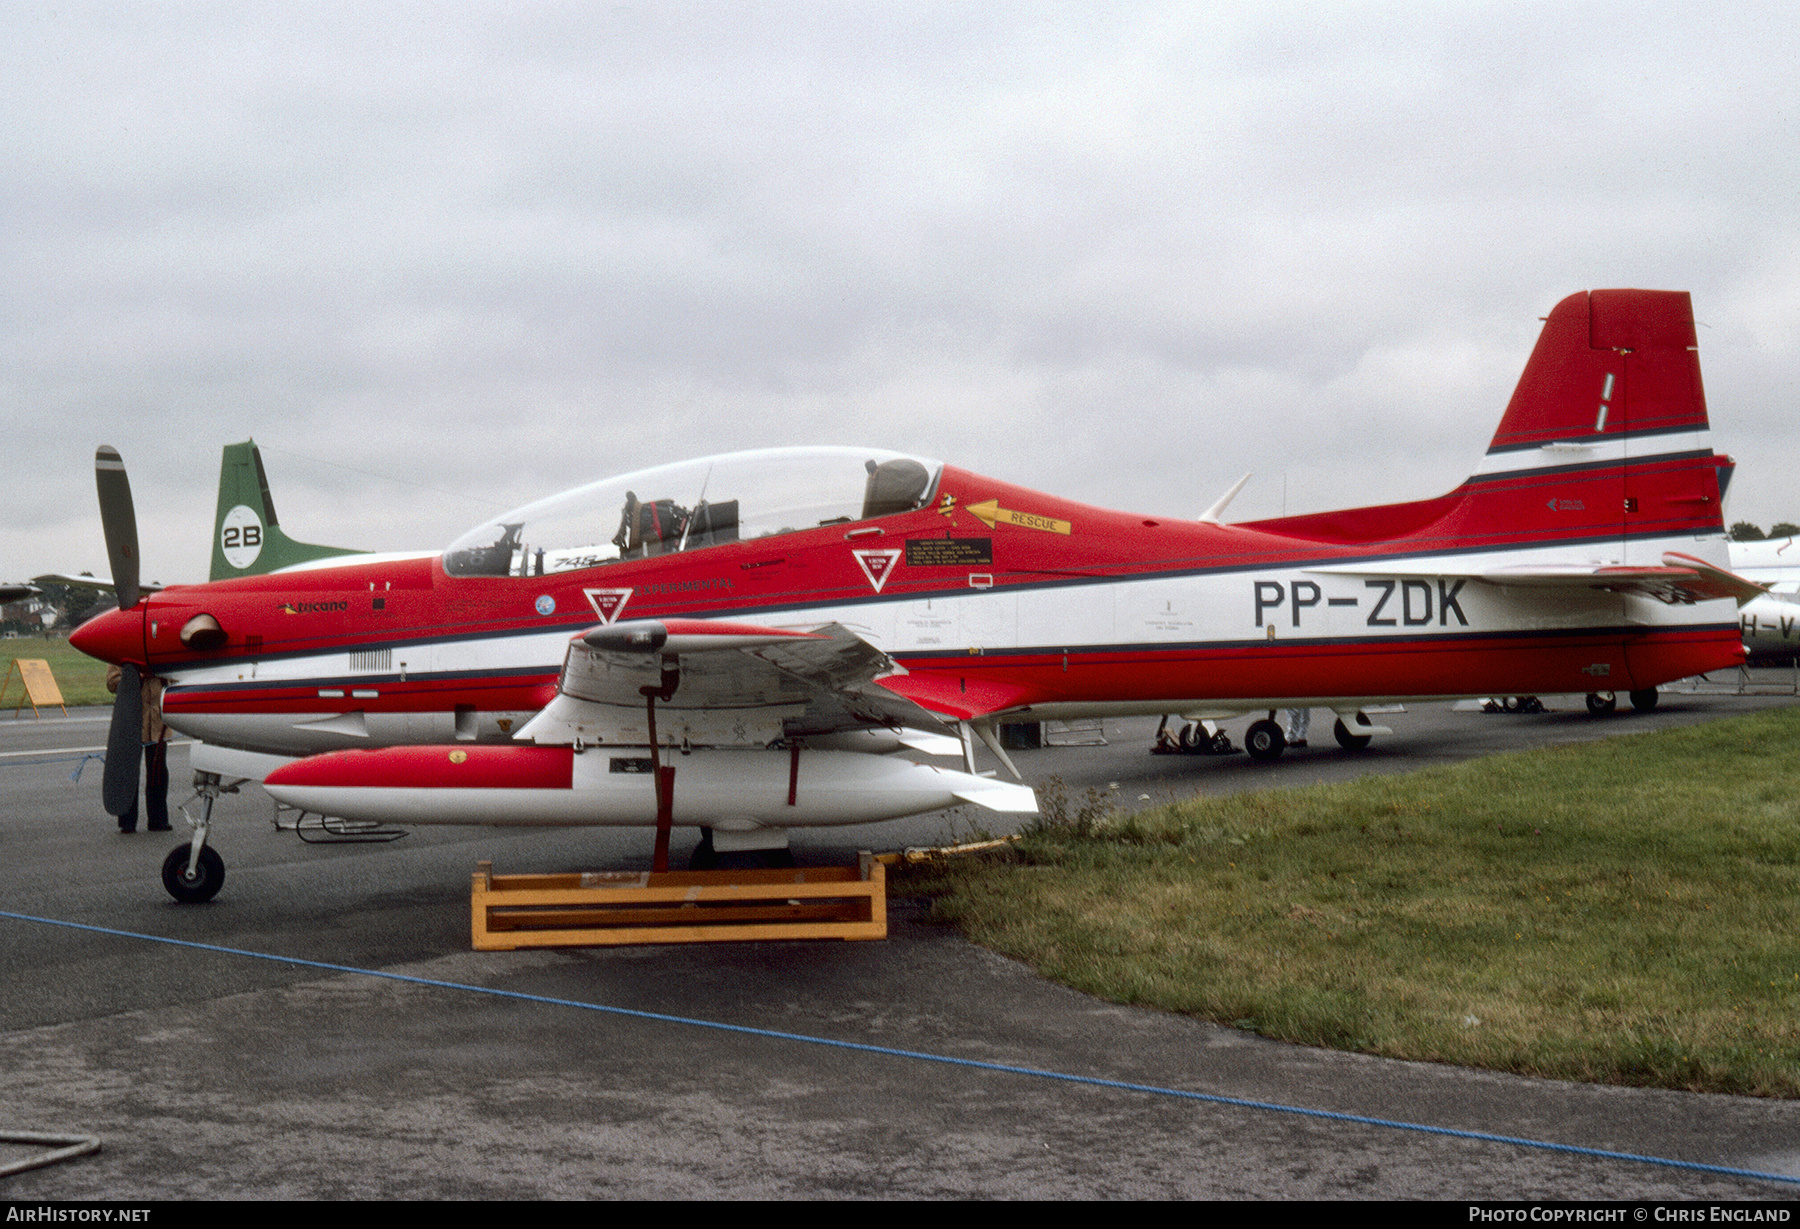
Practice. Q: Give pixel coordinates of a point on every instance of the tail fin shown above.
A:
(1604, 450)
(1606, 437)
(1609, 365)
(247, 539)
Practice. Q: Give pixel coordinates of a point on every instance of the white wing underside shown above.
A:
(747, 692)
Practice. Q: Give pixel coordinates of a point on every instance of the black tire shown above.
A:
(1644, 701)
(1349, 741)
(1193, 738)
(1264, 740)
(208, 877)
(1601, 703)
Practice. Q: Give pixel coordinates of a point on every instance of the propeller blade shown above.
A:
(124, 742)
(119, 519)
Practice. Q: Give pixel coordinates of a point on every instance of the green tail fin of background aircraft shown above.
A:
(247, 539)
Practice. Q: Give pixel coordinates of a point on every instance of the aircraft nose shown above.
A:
(116, 636)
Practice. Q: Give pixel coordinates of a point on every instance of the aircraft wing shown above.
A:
(722, 684)
(1681, 580)
(84, 580)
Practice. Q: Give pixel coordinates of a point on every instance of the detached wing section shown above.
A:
(1681, 581)
(721, 684)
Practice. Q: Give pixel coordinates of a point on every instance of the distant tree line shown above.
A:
(1744, 531)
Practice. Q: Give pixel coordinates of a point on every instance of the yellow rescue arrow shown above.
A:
(991, 513)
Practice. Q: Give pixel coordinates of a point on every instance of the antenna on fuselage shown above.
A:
(1212, 514)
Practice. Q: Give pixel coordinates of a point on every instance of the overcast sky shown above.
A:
(442, 259)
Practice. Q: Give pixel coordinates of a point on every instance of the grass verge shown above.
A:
(1621, 912)
(81, 679)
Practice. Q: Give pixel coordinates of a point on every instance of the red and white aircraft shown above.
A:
(728, 642)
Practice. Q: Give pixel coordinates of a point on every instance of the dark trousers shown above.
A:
(156, 790)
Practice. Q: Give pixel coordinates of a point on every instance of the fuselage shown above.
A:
(995, 599)
(1771, 625)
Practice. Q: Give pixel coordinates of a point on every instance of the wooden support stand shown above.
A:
(607, 908)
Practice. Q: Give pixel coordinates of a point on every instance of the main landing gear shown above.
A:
(1349, 740)
(1265, 740)
(1600, 703)
(194, 872)
(1194, 738)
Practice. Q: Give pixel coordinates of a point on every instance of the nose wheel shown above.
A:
(199, 884)
(194, 872)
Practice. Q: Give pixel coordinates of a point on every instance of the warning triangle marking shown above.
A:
(877, 565)
(607, 603)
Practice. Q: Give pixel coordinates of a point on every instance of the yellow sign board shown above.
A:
(40, 685)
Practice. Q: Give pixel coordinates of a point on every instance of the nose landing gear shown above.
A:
(194, 872)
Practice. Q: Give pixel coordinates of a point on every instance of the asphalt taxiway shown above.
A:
(228, 1050)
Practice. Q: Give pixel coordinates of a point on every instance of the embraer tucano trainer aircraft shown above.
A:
(729, 642)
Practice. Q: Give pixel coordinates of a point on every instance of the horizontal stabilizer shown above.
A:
(1722, 582)
(1680, 581)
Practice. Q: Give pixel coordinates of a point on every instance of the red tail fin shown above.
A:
(1608, 363)
(1604, 449)
(1606, 435)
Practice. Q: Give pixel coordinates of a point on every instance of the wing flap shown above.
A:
(954, 695)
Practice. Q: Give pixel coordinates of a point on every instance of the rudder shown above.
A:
(1609, 364)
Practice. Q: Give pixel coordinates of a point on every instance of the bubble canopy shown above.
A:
(691, 505)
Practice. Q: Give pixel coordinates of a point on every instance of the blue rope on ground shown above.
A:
(948, 1060)
(80, 762)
